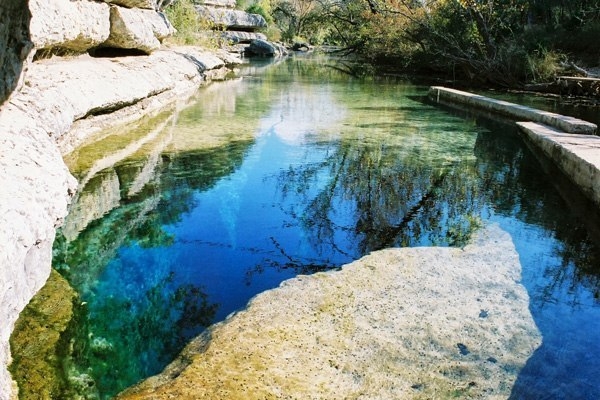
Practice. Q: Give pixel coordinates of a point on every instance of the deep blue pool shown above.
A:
(296, 169)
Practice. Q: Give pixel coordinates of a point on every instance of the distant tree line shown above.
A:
(503, 42)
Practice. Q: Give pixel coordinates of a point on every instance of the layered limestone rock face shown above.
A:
(243, 37)
(61, 102)
(81, 25)
(240, 27)
(137, 29)
(232, 19)
(14, 42)
(36, 189)
(69, 96)
(70, 25)
(412, 323)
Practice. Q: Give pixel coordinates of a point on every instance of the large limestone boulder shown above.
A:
(14, 42)
(76, 25)
(232, 19)
(411, 323)
(259, 47)
(137, 29)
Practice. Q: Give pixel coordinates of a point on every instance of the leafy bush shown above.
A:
(260, 10)
(543, 64)
(191, 28)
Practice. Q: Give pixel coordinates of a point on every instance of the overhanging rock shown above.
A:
(71, 25)
(137, 29)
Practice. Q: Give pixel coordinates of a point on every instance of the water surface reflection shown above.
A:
(296, 170)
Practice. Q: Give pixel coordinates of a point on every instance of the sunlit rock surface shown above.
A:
(399, 323)
(578, 156)
(220, 3)
(74, 25)
(53, 91)
(36, 189)
(512, 110)
(232, 19)
(137, 29)
(77, 26)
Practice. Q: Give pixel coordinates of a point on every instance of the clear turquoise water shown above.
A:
(298, 168)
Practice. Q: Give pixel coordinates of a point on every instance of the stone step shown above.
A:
(516, 111)
(578, 156)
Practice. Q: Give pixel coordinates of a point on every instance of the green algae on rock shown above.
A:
(398, 323)
(37, 345)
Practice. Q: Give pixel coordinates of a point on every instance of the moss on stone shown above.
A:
(36, 343)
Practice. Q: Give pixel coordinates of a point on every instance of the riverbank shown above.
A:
(409, 323)
(62, 103)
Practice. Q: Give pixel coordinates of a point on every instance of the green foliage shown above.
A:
(502, 42)
(259, 9)
(543, 65)
(191, 28)
(185, 19)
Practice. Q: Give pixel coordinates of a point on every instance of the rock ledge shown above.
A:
(399, 323)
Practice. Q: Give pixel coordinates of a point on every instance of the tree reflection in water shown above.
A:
(330, 172)
(133, 321)
(378, 198)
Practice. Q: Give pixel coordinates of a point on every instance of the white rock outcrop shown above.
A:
(60, 104)
(36, 189)
(397, 324)
(243, 37)
(232, 19)
(73, 25)
(137, 29)
(220, 3)
(59, 92)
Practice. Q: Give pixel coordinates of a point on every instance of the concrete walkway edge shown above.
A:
(578, 156)
(516, 111)
(570, 143)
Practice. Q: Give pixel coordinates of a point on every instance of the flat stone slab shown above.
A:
(398, 324)
(578, 156)
(517, 111)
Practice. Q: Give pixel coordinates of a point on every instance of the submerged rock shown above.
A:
(37, 346)
(385, 326)
(62, 103)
